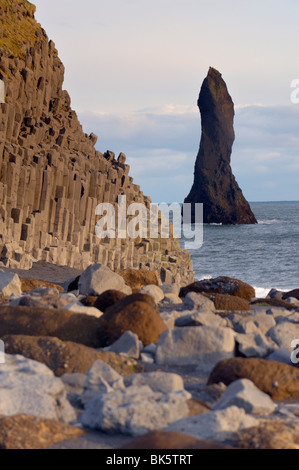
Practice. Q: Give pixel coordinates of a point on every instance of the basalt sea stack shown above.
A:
(214, 184)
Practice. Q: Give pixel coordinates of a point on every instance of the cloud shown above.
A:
(161, 145)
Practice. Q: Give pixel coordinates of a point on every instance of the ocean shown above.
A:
(265, 255)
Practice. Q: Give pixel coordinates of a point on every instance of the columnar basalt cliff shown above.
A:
(214, 184)
(51, 176)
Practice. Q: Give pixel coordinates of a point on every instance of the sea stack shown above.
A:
(214, 183)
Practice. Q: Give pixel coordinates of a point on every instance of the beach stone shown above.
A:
(293, 301)
(47, 297)
(203, 345)
(170, 289)
(136, 313)
(258, 322)
(244, 394)
(221, 285)
(201, 319)
(62, 324)
(28, 285)
(278, 380)
(194, 301)
(172, 299)
(280, 355)
(77, 307)
(134, 410)
(269, 435)
(103, 301)
(278, 313)
(284, 333)
(163, 382)
(211, 394)
(147, 358)
(254, 345)
(29, 387)
(170, 440)
(273, 303)
(98, 278)
(275, 294)
(230, 302)
(9, 284)
(127, 344)
(62, 357)
(100, 379)
(216, 425)
(154, 291)
(137, 278)
(71, 284)
(31, 432)
(292, 293)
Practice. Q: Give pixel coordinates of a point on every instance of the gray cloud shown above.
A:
(161, 147)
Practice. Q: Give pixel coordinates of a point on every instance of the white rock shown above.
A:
(172, 299)
(147, 358)
(284, 333)
(135, 410)
(127, 344)
(170, 289)
(162, 382)
(199, 345)
(244, 394)
(100, 378)
(201, 319)
(29, 387)
(150, 349)
(154, 291)
(281, 355)
(76, 307)
(9, 283)
(195, 301)
(98, 278)
(254, 345)
(215, 425)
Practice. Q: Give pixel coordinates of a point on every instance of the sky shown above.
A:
(134, 69)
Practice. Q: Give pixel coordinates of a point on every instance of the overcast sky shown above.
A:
(134, 69)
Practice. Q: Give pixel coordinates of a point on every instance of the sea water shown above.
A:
(265, 255)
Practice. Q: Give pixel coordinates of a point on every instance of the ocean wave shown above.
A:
(269, 222)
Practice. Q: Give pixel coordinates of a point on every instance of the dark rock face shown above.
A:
(214, 184)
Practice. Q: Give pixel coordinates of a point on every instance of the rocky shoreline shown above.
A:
(108, 361)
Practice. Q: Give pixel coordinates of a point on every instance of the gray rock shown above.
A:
(216, 425)
(127, 344)
(100, 379)
(147, 358)
(150, 349)
(293, 300)
(258, 322)
(275, 294)
(169, 318)
(135, 410)
(172, 299)
(29, 387)
(98, 278)
(199, 345)
(154, 291)
(284, 333)
(76, 307)
(162, 382)
(9, 283)
(195, 301)
(291, 317)
(201, 319)
(244, 394)
(254, 345)
(170, 289)
(281, 355)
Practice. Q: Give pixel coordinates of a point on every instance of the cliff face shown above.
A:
(214, 184)
(51, 176)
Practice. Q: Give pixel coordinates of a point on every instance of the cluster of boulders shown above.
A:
(202, 366)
